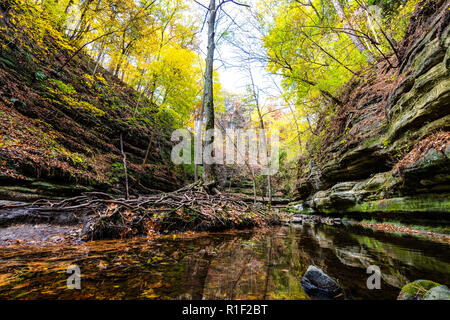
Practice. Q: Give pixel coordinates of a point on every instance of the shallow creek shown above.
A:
(252, 264)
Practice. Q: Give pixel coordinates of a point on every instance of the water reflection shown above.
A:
(264, 264)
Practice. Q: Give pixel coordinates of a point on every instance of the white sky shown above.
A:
(233, 78)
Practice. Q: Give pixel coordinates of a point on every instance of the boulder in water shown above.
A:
(416, 290)
(317, 284)
(438, 293)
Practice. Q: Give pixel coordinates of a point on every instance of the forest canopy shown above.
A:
(150, 45)
(308, 48)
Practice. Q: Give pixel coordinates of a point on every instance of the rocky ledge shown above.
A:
(391, 151)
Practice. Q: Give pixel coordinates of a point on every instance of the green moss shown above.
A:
(417, 288)
(7, 62)
(64, 88)
(372, 141)
(116, 172)
(70, 98)
(419, 203)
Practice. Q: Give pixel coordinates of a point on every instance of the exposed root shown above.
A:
(189, 208)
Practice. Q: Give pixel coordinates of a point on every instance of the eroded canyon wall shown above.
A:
(389, 150)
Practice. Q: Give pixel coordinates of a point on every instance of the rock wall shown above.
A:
(391, 149)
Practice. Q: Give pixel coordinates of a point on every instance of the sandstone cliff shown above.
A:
(389, 150)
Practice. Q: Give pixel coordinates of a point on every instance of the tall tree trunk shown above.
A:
(209, 170)
(250, 168)
(198, 134)
(66, 11)
(269, 179)
(124, 71)
(347, 25)
(261, 122)
(81, 23)
(99, 57)
(198, 125)
(127, 194)
(297, 127)
(254, 184)
(118, 65)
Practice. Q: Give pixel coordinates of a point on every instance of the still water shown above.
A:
(256, 264)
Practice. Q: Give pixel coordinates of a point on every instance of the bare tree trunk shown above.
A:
(148, 148)
(198, 133)
(293, 116)
(347, 24)
(146, 155)
(127, 195)
(68, 6)
(99, 57)
(254, 184)
(117, 68)
(385, 35)
(269, 179)
(62, 26)
(299, 139)
(141, 92)
(124, 71)
(81, 23)
(198, 129)
(209, 172)
(252, 170)
(261, 123)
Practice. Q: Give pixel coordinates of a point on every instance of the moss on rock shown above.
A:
(416, 290)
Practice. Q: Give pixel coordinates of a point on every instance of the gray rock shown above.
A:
(447, 151)
(329, 221)
(432, 157)
(317, 284)
(343, 198)
(438, 293)
(321, 199)
(296, 220)
(309, 204)
(343, 186)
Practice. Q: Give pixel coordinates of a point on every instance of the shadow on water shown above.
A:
(257, 264)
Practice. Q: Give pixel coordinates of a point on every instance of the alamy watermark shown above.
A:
(373, 281)
(74, 280)
(232, 146)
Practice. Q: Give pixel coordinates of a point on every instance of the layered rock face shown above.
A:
(391, 151)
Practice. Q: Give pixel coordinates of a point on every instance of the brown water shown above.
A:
(264, 264)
